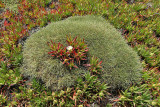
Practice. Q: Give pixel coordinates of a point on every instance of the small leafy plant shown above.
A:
(76, 51)
(94, 66)
(88, 90)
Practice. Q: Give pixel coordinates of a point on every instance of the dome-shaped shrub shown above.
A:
(121, 65)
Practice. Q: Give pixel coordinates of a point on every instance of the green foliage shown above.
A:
(11, 4)
(2, 5)
(145, 93)
(75, 52)
(91, 87)
(88, 90)
(2, 99)
(7, 76)
(136, 96)
(95, 66)
(120, 63)
(138, 22)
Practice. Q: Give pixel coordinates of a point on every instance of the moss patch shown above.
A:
(11, 5)
(121, 64)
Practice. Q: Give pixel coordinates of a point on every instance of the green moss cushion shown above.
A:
(121, 65)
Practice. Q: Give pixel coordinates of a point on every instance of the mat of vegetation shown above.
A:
(137, 20)
(121, 65)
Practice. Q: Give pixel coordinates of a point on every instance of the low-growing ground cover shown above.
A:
(10, 4)
(138, 22)
(121, 65)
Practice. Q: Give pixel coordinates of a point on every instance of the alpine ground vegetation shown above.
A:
(121, 65)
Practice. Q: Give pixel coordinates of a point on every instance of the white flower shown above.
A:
(69, 48)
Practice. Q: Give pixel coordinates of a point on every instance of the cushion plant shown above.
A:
(121, 65)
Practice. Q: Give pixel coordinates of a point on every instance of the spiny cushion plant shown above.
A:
(121, 65)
